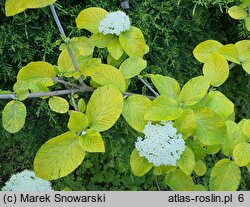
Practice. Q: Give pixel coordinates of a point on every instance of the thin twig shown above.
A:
(149, 87)
(66, 83)
(125, 94)
(59, 25)
(74, 101)
(231, 66)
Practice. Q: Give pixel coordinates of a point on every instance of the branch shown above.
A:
(148, 86)
(59, 25)
(66, 83)
(74, 101)
(231, 66)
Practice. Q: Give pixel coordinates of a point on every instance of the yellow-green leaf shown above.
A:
(237, 12)
(83, 45)
(114, 62)
(185, 124)
(134, 110)
(132, 66)
(91, 141)
(90, 66)
(78, 121)
(13, 7)
(230, 52)
(246, 65)
(179, 181)
(58, 104)
(187, 161)
(163, 108)
(133, 42)
(81, 105)
(220, 104)
(203, 51)
(13, 118)
(234, 136)
(90, 19)
(212, 149)
(107, 74)
(243, 48)
(247, 23)
(245, 3)
(58, 157)
(197, 148)
(241, 154)
(210, 127)
(199, 187)
(245, 125)
(200, 168)
(104, 107)
(163, 169)
(100, 40)
(166, 86)
(194, 90)
(139, 165)
(115, 48)
(225, 176)
(21, 89)
(216, 69)
(41, 72)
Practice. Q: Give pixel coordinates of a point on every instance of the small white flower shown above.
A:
(26, 181)
(114, 23)
(161, 145)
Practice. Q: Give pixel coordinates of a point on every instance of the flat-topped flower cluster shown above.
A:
(161, 145)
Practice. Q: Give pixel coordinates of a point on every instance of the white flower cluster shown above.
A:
(161, 145)
(26, 181)
(114, 23)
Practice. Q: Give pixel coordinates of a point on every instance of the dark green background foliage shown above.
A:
(172, 29)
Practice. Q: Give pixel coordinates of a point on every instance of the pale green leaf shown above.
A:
(163, 108)
(234, 137)
(245, 3)
(13, 118)
(91, 141)
(166, 86)
(90, 66)
(210, 127)
(163, 169)
(132, 66)
(115, 49)
(100, 40)
(241, 154)
(78, 121)
(200, 168)
(212, 149)
(21, 89)
(246, 65)
(237, 12)
(58, 104)
(139, 165)
(216, 69)
(245, 125)
(247, 23)
(203, 51)
(134, 110)
(220, 104)
(114, 62)
(197, 148)
(243, 48)
(82, 45)
(225, 176)
(34, 72)
(230, 53)
(133, 42)
(107, 74)
(81, 105)
(194, 90)
(58, 157)
(104, 107)
(185, 124)
(179, 181)
(187, 161)
(13, 7)
(199, 187)
(90, 19)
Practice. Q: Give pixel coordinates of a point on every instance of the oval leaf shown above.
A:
(203, 51)
(163, 108)
(139, 165)
(90, 19)
(243, 48)
(132, 67)
(14, 114)
(115, 49)
(237, 12)
(230, 52)
(133, 42)
(92, 141)
(179, 181)
(210, 127)
(78, 121)
(241, 154)
(187, 161)
(216, 69)
(107, 74)
(246, 65)
(134, 110)
(200, 168)
(104, 107)
(58, 104)
(166, 86)
(225, 176)
(194, 90)
(58, 157)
